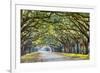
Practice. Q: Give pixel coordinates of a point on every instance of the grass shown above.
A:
(81, 56)
(28, 58)
(36, 57)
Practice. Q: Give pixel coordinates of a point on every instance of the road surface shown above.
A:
(46, 56)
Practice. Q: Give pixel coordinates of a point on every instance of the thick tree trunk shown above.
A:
(77, 47)
(65, 49)
(87, 48)
(86, 44)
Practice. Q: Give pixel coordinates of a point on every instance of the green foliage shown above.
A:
(48, 27)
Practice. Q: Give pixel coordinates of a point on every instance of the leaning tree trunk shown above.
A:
(65, 49)
(77, 47)
(87, 48)
(86, 43)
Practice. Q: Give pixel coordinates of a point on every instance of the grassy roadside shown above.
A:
(80, 56)
(28, 58)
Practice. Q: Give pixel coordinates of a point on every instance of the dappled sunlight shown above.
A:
(54, 36)
(81, 56)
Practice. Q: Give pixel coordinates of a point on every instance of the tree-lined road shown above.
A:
(51, 56)
(66, 33)
(46, 56)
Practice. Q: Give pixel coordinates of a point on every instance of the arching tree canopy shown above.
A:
(64, 31)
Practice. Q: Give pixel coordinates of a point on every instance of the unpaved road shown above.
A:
(51, 56)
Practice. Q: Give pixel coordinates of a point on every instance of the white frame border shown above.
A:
(13, 43)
